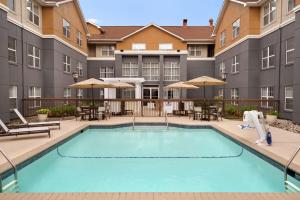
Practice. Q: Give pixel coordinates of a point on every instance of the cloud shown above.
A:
(93, 20)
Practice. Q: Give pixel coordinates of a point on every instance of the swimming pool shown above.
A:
(150, 159)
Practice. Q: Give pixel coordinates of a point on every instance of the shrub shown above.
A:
(63, 110)
(43, 111)
(231, 109)
(273, 112)
(247, 108)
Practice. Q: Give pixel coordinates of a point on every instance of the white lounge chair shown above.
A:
(23, 131)
(36, 124)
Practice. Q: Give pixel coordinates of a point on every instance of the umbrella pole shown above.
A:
(93, 102)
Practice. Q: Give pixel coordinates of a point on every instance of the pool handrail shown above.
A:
(13, 182)
(287, 184)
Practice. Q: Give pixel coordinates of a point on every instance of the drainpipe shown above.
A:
(22, 54)
(280, 54)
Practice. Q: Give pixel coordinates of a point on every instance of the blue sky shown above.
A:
(143, 12)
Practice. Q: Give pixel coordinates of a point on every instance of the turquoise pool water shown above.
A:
(150, 159)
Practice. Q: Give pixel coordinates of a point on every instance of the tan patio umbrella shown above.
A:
(91, 84)
(122, 85)
(205, 81)
(181, 85)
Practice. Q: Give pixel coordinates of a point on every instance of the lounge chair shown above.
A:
(23, 131)
(36, 124)
(217, 114)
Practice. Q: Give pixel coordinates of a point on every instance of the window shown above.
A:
(171, 71)
(33, 56)
(267, 93)
(130, 69)
(234, 95)
(151, 71)
(107, 50)
(79, 38)
(291, 5)
(33, 13)
(36, 93)
(106, 72)
(221, 92)
(172, 94)
(13, 96)
(128, 93)
(67, 93)
(223, 38)
(80, 93)
(289, 97)
(12, 50)
(11, 4)
(268, 57)
(66, 28)
(235, 64)
(139, 46)
(67, 64)
(222, 69)
(194, 50)
(80, 69)
(270, 12)
(236, 28)
(166, 46)
(290, 51)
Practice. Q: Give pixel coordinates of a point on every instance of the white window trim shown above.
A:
(80, 69)
(165, 46)
(133, 69)
(79, 38)
(14, 50)
(269, 13)
(288, 51)
(34, 56)
(109, 49)
(14, 5)
(193, 49)
(107, 70)
(80, 93)
(13, 95)
(67, 93)
(141, 46)
(66, 28)
(222, 68)
(268, 56)
(67, 65)
(234, 94)
(235, 64)
(36, 103)
(223, 38)
(33, 13)
(236, 29)
(287, 6)
(267, 96)
(152, 67)
(173, 66)
(285, 97)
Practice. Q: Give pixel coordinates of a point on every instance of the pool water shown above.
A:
(150, 159)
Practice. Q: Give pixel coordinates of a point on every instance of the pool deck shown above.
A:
(23, 147)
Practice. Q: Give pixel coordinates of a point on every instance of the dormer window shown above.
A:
(270, 12)
(165, 46)
(138, 46)
(33, 12)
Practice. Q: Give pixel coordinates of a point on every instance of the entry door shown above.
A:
(151, 93)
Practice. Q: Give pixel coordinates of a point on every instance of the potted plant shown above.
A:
(42, 114)
(272, 116)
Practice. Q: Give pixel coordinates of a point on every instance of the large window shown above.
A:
(234, 95)
(291, 5)
(222, 69)
(11, 4)
(151, 71)
(290, 51)
(172, 94)
(67, 93)
(268, 57)
(128, 93)
(33, 12)
(165, 46)
(130, 69)
(223, 38)
(79, 38)
(194, 50)
(107, 50)
(66, 28)
(236, 28)
(80, 69)
(267, 93)
(36, 93)
(33, 56)
(12, 50)
(221, 92)
(171, 71)
(270, 12)
(13, 96)
(106, 72)
(289, 97)
(80, 93)
(67, 64)
(138, 46)
(235, 64)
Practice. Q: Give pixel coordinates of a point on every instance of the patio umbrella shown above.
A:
(205, 81)
(122, 85)
(181, 85)
(91, 84)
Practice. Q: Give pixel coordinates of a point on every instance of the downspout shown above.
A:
(22, 54)
(280, 54)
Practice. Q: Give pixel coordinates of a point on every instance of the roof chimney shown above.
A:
(185, 22)
(211, 24)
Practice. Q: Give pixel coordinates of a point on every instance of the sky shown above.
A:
(143, 12)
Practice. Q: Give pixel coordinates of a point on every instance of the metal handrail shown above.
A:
(286, 182)
(14, 168)
(133, 121)
(166, 120)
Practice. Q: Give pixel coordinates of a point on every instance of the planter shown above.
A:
(42, 117)
(271, 119)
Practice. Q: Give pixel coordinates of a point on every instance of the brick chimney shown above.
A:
(211, 24)
(185, 22)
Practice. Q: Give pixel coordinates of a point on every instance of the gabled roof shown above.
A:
(184, 33)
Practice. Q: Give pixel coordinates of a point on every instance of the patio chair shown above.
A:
(218, 114)
(81, 114)
(36, 124)
(101, 113)
(23, 131)
(198, 113)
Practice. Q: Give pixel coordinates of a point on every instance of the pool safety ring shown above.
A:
(149, 157)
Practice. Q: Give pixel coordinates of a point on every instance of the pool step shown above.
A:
(11, 186)
(290, 187)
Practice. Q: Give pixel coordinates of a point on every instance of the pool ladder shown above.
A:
(12, 185)
(166, 120)
(133, 121)
(290, 187)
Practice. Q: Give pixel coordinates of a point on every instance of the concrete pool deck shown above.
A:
(21, 148)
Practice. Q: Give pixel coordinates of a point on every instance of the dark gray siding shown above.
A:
(296, 113)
